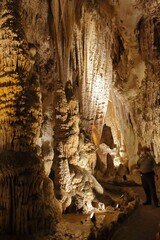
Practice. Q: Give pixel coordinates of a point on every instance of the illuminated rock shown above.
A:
(69, 70)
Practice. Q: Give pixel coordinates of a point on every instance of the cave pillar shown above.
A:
(23, 198)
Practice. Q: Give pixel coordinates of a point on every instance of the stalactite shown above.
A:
(19, 87)
(23, 195)
(92, 49)
(63, 22)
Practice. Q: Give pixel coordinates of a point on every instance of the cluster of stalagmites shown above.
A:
(75, 156)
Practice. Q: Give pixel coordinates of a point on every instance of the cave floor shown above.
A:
(142, 224)
(79, 226)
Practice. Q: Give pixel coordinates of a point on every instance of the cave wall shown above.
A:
(136, 82)
(20, 89)
(83, 42)
(67, 68)
(149, 97)
(27, 204)
(107, 63)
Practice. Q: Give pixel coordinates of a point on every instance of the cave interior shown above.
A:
(79, 80)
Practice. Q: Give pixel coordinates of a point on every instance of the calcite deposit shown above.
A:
(79, 95)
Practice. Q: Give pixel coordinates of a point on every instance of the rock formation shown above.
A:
(75, 75)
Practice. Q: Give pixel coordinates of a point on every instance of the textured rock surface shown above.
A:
(75, 157)
(19, 91)
(136, 82)
(27, 200)
(69, 70)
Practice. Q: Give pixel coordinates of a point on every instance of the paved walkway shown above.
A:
(142, 224)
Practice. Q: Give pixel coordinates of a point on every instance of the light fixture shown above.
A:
(93, 217)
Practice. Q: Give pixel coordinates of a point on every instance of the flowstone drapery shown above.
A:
(72, 71)
(27, 203)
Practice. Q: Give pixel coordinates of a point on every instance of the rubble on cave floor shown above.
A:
(126, 196)
(119, 202)
(80, 226)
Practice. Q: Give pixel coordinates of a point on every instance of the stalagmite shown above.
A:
(79, 97)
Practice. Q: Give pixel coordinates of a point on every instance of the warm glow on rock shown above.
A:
(79, 96)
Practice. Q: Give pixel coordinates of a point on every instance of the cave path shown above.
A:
(142, 224)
